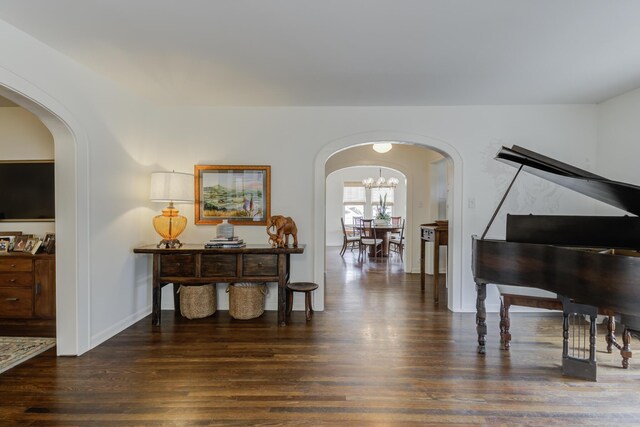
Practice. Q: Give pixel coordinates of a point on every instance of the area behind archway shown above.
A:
(324, 165)
(72, 293)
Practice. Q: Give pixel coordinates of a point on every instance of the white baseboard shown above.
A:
(101, 337)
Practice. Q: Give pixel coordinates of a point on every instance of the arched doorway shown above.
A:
(454, 265)
(72, 212)
(344, 180)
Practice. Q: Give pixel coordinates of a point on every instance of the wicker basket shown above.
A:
(197, 302)
(246, 300)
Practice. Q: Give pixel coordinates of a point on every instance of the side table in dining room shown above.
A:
(437, 233)
(194, 265)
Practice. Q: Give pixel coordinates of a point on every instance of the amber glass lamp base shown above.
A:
(170, 225)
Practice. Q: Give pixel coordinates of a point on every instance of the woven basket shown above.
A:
(246, 300)
(197, 302)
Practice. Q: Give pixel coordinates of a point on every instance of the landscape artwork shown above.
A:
(240, 194)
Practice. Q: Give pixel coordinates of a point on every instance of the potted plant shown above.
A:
(382, 217)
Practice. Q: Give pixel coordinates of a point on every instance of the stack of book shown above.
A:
(224, 242)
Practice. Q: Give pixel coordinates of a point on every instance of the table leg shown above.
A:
(156, 297)
(176, 299)
(422, 259)
(436, 268)
(282, 290)
(385, 243)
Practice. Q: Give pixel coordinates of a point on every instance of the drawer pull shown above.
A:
(13, 266)
(259, 264)
(12, 280)
(12, 299)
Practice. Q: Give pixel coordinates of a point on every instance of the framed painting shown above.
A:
(239, 194)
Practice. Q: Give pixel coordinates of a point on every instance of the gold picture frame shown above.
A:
(239, 194)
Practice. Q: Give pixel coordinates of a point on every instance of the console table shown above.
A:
(195, 265)
(438, 233)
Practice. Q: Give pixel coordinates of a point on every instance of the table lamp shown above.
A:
(172, 187)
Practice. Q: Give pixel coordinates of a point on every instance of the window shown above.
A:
(353, 199)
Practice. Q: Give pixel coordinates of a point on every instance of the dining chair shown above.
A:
(368, 239)
(347, 239)
(357, 223)
(395, 222)
(396, 244)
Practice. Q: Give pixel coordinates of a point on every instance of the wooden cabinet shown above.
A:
(195, 265)
(27, 286)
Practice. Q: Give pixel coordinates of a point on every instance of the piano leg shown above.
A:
(625, 352)
(505, 324)
(481, 316)
(611, 333)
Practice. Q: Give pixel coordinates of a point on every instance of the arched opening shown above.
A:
(454, 260)
(71, 209)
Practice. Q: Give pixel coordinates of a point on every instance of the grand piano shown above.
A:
(591, 262)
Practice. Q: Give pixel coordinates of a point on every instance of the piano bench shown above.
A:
(507, 300)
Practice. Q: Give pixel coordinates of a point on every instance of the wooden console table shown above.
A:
(195, 265)
(438, 233)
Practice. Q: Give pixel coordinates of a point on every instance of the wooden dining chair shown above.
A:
(395, 222)
(357, 223)
(348, 240)
(396, 243)
(368, 239)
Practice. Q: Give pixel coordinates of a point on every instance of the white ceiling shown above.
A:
(347, 52)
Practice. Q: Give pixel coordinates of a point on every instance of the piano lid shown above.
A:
(619, 194)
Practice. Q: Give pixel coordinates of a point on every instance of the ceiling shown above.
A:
(347, 52)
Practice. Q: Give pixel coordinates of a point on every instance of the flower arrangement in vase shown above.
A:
(382, 217)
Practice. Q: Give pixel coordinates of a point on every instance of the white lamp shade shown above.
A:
(171, 187)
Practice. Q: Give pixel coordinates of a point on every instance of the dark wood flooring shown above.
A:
(380, 354)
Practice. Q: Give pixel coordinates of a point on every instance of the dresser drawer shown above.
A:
(259, 265)
(177, 265)
(217, 265)
(16, 302)
(16, 264)
(16, 279)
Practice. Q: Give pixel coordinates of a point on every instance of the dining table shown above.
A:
(381, 231)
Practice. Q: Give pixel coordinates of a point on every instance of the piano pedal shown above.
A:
(579, 355)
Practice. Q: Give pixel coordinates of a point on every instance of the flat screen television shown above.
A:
(27, 191)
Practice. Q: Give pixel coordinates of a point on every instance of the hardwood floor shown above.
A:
(381, 354)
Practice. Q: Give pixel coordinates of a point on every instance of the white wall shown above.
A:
(24, 137)
(619, 141)
(100, 188)
(127, 138)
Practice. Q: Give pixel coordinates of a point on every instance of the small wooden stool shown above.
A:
(307, 288)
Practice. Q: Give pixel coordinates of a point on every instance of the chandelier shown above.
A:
(380, 181)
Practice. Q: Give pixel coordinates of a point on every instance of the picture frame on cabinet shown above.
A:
(36, 247)
(49, 243)
(31, 242)
(7, 242)
(20, 242)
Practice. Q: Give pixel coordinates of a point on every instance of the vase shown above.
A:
(380, 221)
(224, 230)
